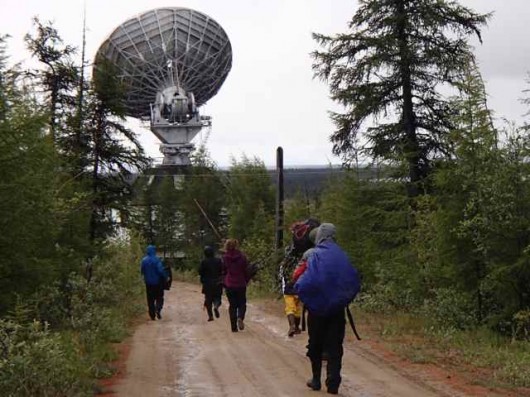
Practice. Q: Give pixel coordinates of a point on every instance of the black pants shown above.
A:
(328, 332)
(212, 296)
(155, 298)
(237, 299)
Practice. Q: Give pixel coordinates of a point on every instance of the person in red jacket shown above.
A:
(302, 265)
(235, 280)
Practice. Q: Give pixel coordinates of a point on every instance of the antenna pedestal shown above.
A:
(176, 154)
(176, 136)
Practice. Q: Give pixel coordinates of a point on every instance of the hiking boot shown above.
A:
(210, 318)
(240, 324)
(314, 384)
(158, 315)
(333, 391)
(216, 312)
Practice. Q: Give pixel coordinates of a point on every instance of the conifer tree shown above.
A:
(387, 70)
(27, 190)
(114, 152)
(250, 190)
(476, 183)
(60, 76)
(203, 187)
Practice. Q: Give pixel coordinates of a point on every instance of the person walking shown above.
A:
(303, 236)
(210, 272)
(155, 277)
(235, 279)
(326, 287)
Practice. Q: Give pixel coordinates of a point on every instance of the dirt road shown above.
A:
(184, 355)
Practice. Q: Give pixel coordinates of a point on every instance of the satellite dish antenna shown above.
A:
(170, 61)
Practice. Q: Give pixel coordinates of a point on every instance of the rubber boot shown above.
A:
(333, 379)
(314, 382)
(297, 329)
(292, 325)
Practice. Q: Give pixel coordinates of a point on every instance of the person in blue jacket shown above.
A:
(155, 277)
(326, 287)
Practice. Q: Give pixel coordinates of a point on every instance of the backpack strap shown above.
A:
(350, 319)
(304, 310)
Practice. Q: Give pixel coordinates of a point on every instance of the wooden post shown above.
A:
(279, 199)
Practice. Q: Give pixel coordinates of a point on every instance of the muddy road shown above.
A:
(184, 355)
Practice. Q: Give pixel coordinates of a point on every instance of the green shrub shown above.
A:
(450, 309)
(36, 362)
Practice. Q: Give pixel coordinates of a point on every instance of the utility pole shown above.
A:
(279, 199)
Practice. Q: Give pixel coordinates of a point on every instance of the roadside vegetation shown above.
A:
(440, 234)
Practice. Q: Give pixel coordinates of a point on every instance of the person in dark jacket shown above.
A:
(210, 272)
(155, 277)
(325, 329)
(235, 279)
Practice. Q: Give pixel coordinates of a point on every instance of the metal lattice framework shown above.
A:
(168, 47)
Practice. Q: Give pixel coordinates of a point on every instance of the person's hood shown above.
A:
(313, 235)
(151, 250)
(307, 254)
(232, 254)
(208, 251)
(326, 231)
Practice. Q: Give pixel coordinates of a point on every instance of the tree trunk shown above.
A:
(95, 176)
(410, 147)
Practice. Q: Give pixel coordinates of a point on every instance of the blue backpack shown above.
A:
(330, 282)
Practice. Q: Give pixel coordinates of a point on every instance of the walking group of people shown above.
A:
(232, 273)
(324, 282)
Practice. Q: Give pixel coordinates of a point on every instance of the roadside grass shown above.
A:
(485, 358)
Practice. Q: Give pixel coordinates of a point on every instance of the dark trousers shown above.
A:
(155, 298)
(328, 332)
(237, 299)
(212, 297)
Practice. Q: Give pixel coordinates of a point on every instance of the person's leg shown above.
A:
(232, 308)
(217, 300)
(241, 307)
(336, 327)
(208, 300)
(150, 293)
(290, 310)
(159, 300)
(297, 315)
(316, 333)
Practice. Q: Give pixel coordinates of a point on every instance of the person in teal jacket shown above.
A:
(155, 277)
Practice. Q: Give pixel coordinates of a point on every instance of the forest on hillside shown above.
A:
(443, 232)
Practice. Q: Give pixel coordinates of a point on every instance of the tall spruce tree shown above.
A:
(28, 213)
(476, 195)
(387, 71)
(60, 76)
(114, 152)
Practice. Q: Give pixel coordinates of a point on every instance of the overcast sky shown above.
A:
(270, 98)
